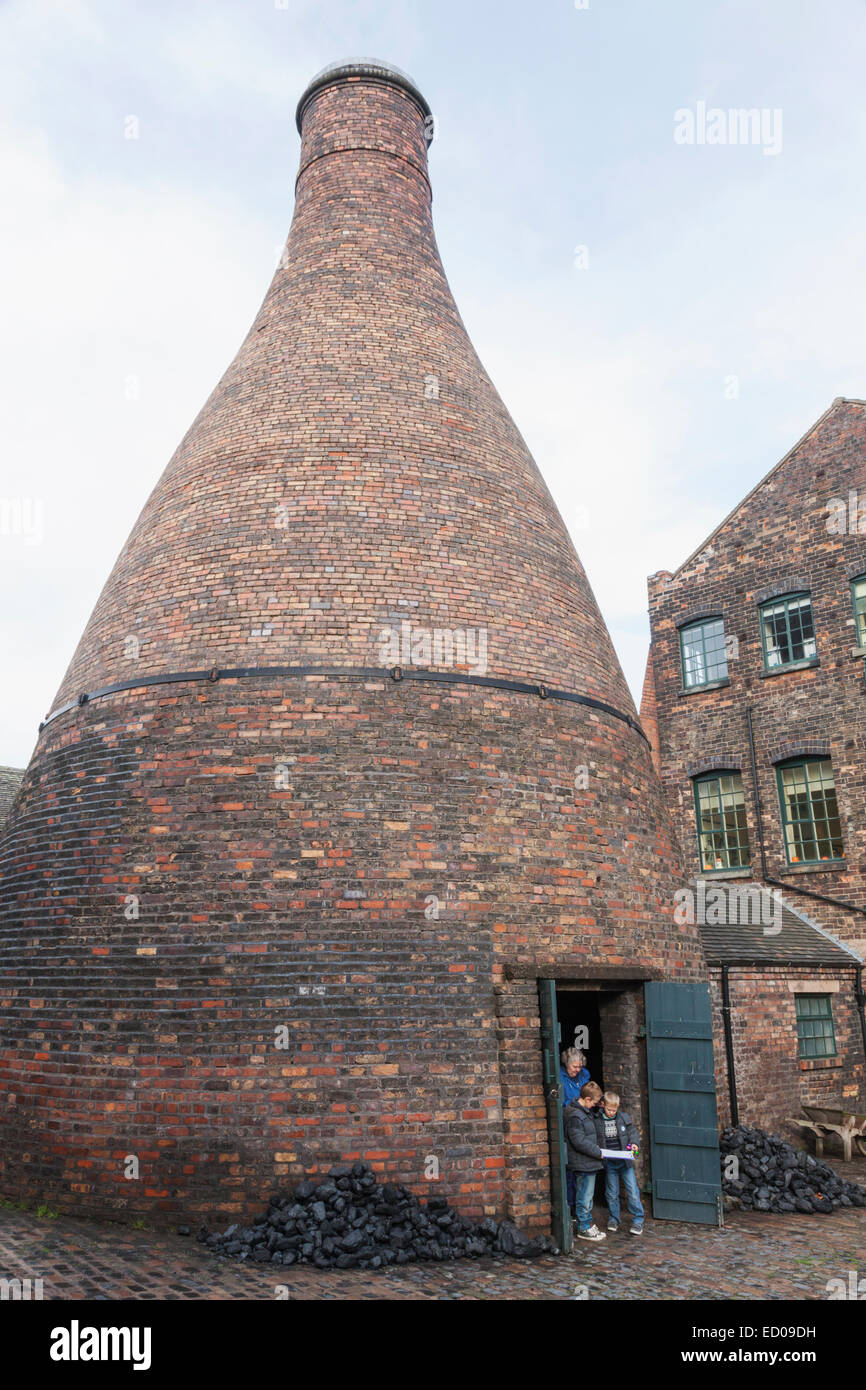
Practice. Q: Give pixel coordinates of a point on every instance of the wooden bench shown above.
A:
(824, 1120)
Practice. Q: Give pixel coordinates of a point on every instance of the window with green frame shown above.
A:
(704, 657)
(810, 814)
(723, 836)
(858, 595)
(815, 1033)
(787, 631)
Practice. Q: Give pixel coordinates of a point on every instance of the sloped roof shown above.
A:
(10, 779)
(792, 938)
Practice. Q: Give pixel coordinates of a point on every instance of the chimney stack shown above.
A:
(344, 761)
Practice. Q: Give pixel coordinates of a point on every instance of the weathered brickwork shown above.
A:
(524, 1115)
(196, 898)
(772, 1080)
(785, 537)
(354, 468)
(254, 925)
(649, 717)
(776, 542)
(10, 781)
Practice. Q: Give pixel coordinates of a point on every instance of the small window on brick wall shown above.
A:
(703, 653)
(858, 595)
(810, 812)
(723, 836)
(788, 631)
(815, 1026)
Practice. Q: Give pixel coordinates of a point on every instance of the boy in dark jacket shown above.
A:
(584, 1156)
(616, 1131)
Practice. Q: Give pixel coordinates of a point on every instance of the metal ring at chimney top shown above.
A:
(361, 67)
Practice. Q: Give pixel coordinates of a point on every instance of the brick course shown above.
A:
(772, 1080)
(354, 866)
(776, 542)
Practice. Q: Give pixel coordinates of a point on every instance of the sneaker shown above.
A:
(613, 1225)
(592, 1234)
(637, 1228)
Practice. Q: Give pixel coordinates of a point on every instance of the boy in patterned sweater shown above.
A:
(616, 1131)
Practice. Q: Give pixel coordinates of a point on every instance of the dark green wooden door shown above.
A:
(561, 1224)
(684, 1131)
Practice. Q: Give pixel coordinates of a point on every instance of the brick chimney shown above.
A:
(343, 761)
(355, 466)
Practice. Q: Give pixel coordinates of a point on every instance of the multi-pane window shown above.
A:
(810, 814)
(858, 594)
(723, 836)
(815, 1025)
(703, 653)
(788, 631)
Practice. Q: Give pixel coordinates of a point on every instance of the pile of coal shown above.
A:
(774, 1176)
(350, 1221)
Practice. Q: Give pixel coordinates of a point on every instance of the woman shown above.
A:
(573, 1075)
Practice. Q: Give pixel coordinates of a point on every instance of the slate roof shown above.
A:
(10, 778)
(800, 940)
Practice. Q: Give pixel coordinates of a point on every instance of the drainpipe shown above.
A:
(859, 995)
(729, 1046)
(727, 1016)
(861, 1003)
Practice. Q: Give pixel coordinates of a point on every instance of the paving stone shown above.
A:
(755, 1256)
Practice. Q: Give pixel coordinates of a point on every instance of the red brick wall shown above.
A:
(320, 495)
(155, 1035)
(649, 716)
(778, 539)
(524, 1115)
(772, 1081)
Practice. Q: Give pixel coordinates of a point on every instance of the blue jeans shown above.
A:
(584, 1192)
(616, 1168)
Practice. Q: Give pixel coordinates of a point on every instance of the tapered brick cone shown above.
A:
(254, 923)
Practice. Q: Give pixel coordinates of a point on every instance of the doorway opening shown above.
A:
(652, 1043)
(580, 1026)
(604, 1019)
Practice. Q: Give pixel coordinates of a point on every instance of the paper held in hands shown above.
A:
(618, 1153)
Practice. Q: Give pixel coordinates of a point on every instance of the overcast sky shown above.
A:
(715, 311)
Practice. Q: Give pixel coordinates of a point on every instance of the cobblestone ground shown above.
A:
(755, 1256)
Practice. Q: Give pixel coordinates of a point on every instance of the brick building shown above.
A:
(10, 781)
(344, 765)
(754, 701)
(786, 1019)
